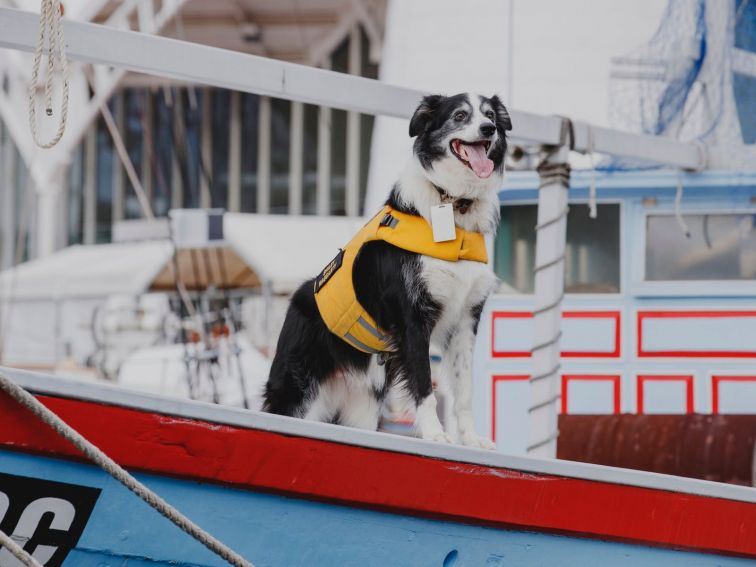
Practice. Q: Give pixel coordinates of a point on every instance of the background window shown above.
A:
(720, 247)
(220, 120)
(280, 134)
(162, 134)
(310, 159)
(250, 113)
(104, 181)
(135, 101)
(592, 256)
(75, 222)
(189, 144)
(340, 63)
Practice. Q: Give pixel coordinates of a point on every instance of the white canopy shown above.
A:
(87, 271)
(282, 250)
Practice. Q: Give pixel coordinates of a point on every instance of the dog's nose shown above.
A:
(487, 129)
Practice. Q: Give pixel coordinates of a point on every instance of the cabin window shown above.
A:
(592, 255)
(718, 247)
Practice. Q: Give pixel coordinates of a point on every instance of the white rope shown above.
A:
(49, 18)
(17, 551)
(116, 471)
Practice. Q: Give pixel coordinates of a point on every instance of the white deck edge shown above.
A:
(196, 63)
(113, 395)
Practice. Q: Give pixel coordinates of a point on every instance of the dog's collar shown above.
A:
(461, 205)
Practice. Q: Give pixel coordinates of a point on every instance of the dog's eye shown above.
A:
(459, 116)
(490, 115)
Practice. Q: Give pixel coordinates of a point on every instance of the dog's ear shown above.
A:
(502, 116)
(424, 114)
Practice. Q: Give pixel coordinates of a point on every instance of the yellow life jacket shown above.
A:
(334, 287)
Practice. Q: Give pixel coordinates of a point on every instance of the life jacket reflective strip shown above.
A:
(334, 287)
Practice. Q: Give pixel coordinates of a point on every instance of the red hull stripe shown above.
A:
(395, 482)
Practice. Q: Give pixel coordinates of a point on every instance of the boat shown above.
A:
(281, 491)
(284, 491)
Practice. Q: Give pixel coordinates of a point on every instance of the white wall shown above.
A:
(561, 53)
(436, 46)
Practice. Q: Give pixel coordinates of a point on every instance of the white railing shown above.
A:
(194, 63)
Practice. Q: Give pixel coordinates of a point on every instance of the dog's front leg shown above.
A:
(410, 366)
(458, 367)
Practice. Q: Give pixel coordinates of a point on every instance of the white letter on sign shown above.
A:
(64, 513)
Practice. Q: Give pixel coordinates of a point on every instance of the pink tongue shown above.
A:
(475, 154)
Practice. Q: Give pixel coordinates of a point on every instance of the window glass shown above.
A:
(339, 62)
(220, 99)
(162, 174)
(280, 111)
(189, 148)
(135, 100)
(592, 254)
(24, 200)
(250, 114)
(76, 197)
(369, 70)
(104, 181)
(310, 159)
(338, 161)
(720, 247)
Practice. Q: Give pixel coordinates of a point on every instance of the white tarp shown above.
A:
(95, 271)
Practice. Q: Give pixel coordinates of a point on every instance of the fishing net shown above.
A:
(695, 80)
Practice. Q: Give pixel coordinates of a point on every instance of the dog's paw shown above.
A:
(475, 440)
(441, 437)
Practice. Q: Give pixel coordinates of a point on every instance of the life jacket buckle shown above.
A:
(389, 220)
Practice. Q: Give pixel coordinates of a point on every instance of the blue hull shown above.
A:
(275, 531)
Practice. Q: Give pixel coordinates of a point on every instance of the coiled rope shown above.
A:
(49, 19)
(17, 551)
(116, 471)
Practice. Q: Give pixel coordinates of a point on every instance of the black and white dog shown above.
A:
(458, 156)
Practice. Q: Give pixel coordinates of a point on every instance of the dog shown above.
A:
(458, 157)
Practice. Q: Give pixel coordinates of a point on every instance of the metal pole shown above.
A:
(551, 232)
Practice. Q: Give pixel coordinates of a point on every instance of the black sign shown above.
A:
(328, 271)
(46, 518)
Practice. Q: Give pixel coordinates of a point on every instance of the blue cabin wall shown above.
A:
(276, 531)
(501, 391)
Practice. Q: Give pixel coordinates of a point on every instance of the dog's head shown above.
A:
(461, 138)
